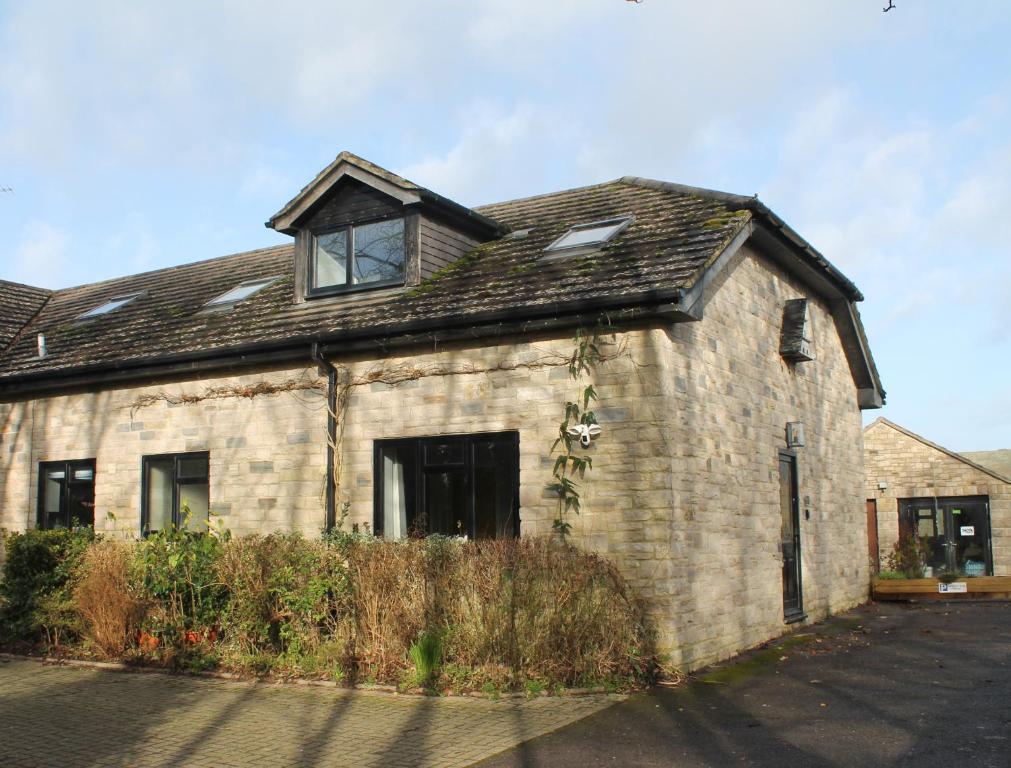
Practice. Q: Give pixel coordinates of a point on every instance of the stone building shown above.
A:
(404, 366)
(961, 509)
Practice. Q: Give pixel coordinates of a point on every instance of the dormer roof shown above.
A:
(349, 166)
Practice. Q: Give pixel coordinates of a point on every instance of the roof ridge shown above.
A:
(687, 189)
(160, 270)
(936, 446)
(546, 194)
(16, 284)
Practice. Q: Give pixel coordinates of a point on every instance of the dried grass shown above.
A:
(106, 597)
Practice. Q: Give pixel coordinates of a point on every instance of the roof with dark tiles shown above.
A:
(675, 234)
(20, 304)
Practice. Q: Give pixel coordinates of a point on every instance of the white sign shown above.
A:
(967, 530)
(955, 586)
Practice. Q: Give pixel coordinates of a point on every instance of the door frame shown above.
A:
(873, 543)
(792, 614)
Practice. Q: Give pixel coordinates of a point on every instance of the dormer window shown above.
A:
(110, 306)
(368, 255)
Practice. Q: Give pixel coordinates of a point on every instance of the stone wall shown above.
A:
(911, 469)
(684, 490)
(267, 453)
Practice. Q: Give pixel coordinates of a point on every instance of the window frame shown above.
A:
(145, 512)
(217, 305)
(126, 298)
(68, 466)
(619, 224)
(313, 291)
(467, 440)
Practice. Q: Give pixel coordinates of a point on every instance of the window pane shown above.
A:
(446, 504)
(160, 482)
(379, 251)
(84, 474)
(194, 506)
(398, 468)
(330, 259)
(109, 306)
(194, 467)
(52, 502)
(494, 486)
(82, 503)
(241, 292)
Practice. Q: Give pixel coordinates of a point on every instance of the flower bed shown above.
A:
(441, 614)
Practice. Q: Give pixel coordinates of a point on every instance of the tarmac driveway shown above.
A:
(884, 685)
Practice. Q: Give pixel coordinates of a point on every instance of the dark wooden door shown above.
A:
(872, 535)
(793, 602)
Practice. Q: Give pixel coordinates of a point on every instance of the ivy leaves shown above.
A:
(569, 465)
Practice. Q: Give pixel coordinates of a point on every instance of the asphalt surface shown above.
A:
(884, 685)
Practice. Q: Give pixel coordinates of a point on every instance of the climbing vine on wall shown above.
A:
(570, 464)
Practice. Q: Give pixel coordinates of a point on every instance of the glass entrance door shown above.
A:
(954, 530)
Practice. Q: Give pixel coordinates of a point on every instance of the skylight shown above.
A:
(110, 306)
(590, 235)
(240, 292)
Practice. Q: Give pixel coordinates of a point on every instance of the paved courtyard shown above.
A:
(68, 716)
(910, 686)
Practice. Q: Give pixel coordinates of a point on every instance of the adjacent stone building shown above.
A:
(960, 509)
(404, 367)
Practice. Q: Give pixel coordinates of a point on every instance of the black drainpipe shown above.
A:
(331, 433)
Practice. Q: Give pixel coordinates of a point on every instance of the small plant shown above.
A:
(890, 576)
(908, 556)
(426, 653)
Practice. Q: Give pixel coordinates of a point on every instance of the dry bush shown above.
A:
(542, 609)
(388, 599)
(107, 597)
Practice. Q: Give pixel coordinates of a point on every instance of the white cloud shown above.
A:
(41, 256)
(495, 152)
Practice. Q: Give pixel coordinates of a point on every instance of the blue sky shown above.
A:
(141, 135)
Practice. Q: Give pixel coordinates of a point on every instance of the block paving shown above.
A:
(71, 716)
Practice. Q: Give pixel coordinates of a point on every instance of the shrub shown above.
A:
(35, 594)
(287, 596)
(178, 573)
(106, 596)
(908, 556)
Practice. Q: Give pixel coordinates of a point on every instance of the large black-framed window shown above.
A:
(454, 485)
(175, 492)
(66, 494)
(363, 255)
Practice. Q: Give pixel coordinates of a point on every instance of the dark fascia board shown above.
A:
(668, 305)
(406, 192)
(870, 393)
(767, 216)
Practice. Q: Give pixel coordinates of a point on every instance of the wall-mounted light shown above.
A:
(882, 485)
(795, 434)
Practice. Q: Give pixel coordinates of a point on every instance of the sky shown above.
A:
(135, 136)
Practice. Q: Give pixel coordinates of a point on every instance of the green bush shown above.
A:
(179, 572)
(36, 600)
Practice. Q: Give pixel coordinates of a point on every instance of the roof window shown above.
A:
(110, 306)
(241, 292)
(591, 235)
